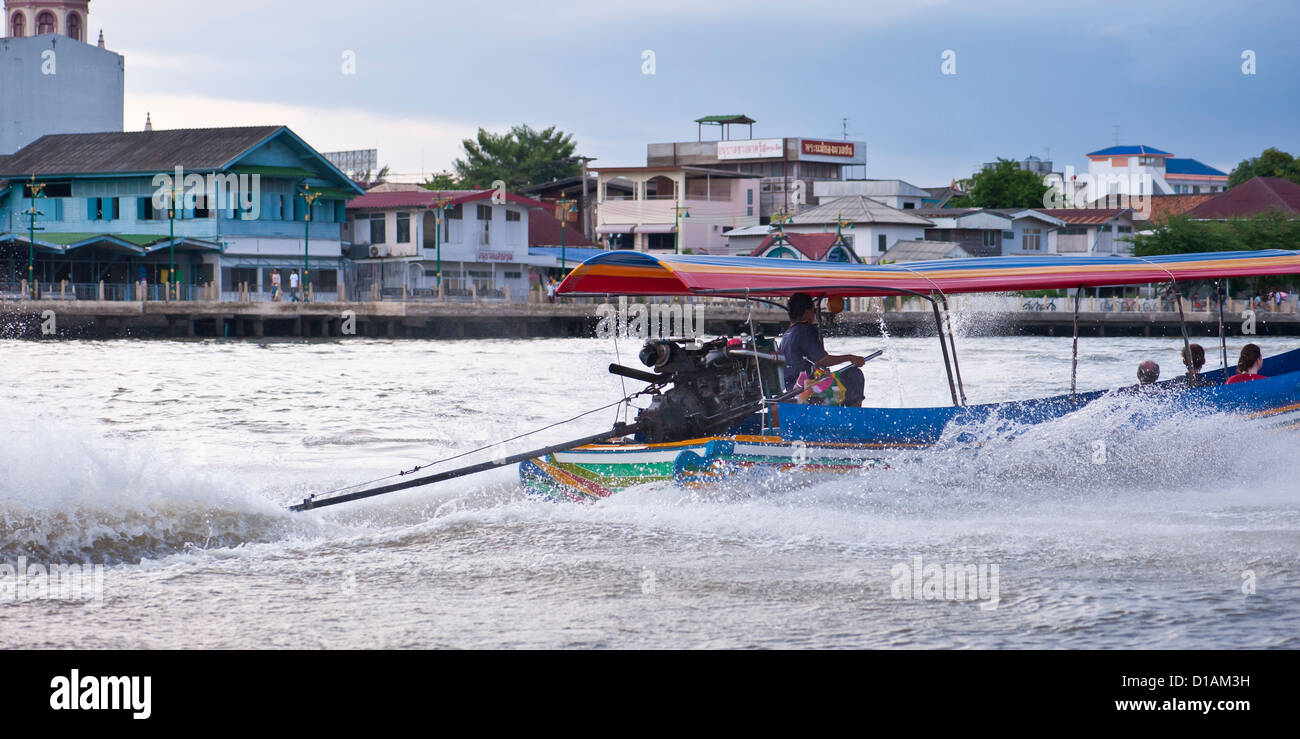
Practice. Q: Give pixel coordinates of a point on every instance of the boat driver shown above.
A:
(802, 349)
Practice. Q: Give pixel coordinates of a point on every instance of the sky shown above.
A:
(934, 87)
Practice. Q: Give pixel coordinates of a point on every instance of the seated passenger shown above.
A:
(802, 349)
(1194, 363)
(1249, 364)
(1148, 373)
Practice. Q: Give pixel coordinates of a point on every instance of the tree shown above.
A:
(1004, 185)
(442, 181)
(1182, 235)
(518, 158)
(1271, 163)
(364, 176)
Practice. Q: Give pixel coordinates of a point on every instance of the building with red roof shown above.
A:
(1256, 196)
(816, 247)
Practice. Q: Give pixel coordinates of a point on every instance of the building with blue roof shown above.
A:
(1141, 170)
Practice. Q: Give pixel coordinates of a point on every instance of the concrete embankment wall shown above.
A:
(417, 320)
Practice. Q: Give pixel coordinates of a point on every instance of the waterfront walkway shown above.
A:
(433, 319)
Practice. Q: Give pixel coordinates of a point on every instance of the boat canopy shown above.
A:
(639, 273)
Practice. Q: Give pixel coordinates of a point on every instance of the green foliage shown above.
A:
(1004, 185)
(1181, 235)
(1271, 163)
(442, 181)
(521, 157)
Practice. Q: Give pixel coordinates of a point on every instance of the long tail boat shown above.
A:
(718, 408)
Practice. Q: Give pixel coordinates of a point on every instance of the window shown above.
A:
(74, 26)
(403, 228)
(45, 23)
(1033, 239)
(512, 215)
(749, 199)
(880, 241)
(909, 205)
(1008, 235)
(749, 209)
(18, 28)
(1124, 229)
(144, 210)
(102, 209)
(451, 221)
(377, 234)
(284, 212)
(990, 238)
(484, 214)
(1073, 231)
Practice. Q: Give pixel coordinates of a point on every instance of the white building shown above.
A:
(482, 243)
(51, 80)
(1142, 171)
(870, 227)
(894, 193)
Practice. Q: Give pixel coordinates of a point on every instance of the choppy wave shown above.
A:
(69, 495)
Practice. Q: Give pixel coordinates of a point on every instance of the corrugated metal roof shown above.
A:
(858, 209)
(1119, 151)
(1191, 166)
(198, 149)
(923, 251)
(1253, 197)
(1085, 216)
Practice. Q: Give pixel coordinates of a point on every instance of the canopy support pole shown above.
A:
(952, 340)
(1223, 336)
(938, 323)
(1074, 353)
(934, 305)
(1182, 321)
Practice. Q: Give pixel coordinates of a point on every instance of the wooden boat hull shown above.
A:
(827, 439)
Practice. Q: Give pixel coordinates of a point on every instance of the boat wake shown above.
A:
(67, 495)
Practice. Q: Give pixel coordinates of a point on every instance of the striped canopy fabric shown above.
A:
(640, 273)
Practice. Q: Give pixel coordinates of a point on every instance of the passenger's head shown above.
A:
(1196, 359)
(799, 305)
(1251, 359)
(1148, 372)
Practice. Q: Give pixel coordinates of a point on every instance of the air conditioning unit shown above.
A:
(378, 250)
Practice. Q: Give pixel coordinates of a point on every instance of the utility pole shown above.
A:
(439, 206)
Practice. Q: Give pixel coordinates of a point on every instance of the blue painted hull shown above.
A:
(1276, 396)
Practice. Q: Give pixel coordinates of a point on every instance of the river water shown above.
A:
(171, 462)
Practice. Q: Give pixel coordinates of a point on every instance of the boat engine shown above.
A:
(714, 384)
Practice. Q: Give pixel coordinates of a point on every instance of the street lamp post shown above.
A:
(439, 206)
(172, 284)
(679, 212)
(34, 190)
(565, 207)
(309, 198)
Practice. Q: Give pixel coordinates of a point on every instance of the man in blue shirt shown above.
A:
(802, 349)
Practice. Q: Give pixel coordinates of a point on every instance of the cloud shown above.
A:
(406, 144)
